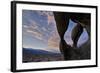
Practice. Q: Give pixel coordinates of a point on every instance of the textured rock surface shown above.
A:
(83, 21)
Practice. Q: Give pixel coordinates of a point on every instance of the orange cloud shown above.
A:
(49, 15)
(50, 19)
(53, 41)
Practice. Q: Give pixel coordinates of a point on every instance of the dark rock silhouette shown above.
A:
(77, 31)
(61, 22)
(83, 21)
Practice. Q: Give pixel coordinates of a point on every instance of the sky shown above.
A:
(39, 31)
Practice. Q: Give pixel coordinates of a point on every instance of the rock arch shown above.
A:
(83, 21)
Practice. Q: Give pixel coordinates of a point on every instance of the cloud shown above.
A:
(44, 29)
(51, 20)
(33, 29)
(33, 24)
(42, 13)
(25, 26)
(45, 13)
(35, 34)
(50, 16)
(53, 41)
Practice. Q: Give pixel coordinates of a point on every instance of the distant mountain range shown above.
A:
(37, 55)
(38, 52)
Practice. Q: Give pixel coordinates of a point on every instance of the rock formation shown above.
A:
(83, 21)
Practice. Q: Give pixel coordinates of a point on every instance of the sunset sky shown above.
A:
(40, 32)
